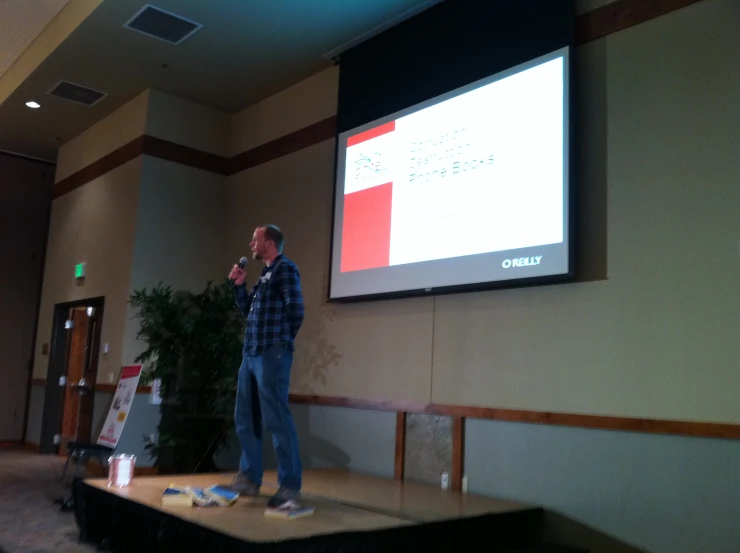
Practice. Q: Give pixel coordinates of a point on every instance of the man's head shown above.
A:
(267, 243)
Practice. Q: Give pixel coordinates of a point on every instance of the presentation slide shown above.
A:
(468, 188)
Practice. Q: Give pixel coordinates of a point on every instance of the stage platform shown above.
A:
(353, 512)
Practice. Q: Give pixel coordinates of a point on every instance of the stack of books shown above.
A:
(218, 496)
(214, 496)
(176, 497)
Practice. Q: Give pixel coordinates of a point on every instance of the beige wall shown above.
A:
(121, 127)
(658, 317)
(187, 123)
(146, 221)
(94, 223)
(303, 104)
(654, 338)
(659, 337)
(180, 236)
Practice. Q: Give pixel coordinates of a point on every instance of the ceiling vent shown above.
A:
(158, 23)
(76, 93)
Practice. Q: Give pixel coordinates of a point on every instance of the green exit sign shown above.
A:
(80, 270)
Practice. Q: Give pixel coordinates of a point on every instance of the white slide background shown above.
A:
(482, 172)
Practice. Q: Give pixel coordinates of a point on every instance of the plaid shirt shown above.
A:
(273, 308)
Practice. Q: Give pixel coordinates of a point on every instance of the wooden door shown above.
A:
(81, 371)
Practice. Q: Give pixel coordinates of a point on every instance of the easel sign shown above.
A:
(120, 406)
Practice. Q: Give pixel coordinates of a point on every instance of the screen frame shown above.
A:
(569, 223)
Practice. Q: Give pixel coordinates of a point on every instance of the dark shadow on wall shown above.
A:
(590, 161)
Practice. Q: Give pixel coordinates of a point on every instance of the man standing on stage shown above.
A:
(274, 311)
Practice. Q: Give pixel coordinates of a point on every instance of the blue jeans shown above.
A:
(262, 398)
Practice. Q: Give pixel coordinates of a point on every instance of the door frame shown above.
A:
(51, 422)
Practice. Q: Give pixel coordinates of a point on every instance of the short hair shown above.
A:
(275, 234)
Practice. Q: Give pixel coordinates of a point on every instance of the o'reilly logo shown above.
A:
(522, 261)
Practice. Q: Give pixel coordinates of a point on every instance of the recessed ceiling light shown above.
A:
(33, 105)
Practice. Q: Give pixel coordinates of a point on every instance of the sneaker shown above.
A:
(243, 485)
(284, 497)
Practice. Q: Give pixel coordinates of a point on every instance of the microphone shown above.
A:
(242, 263)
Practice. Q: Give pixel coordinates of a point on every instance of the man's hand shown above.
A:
(237, 275)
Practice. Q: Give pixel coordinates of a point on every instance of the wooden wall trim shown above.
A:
(615, 16)
(32, 447)
(458, 453)
(621, 15)
(99, 387)
(599, 422)
(400, 446)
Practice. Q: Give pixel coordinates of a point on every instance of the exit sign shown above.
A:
(80, 270)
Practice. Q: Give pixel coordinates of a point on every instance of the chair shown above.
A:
(82, 450)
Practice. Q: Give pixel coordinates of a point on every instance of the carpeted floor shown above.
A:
(30, 522)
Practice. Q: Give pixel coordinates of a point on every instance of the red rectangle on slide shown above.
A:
(366, 230)
(371, 133)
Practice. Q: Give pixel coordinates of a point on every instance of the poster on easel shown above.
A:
(120, 406)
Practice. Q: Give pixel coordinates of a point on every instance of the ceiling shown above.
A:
(21, 21)
(246, 51)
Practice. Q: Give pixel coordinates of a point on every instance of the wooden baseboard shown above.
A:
(400, 445)
(598, 422)
(99, 387)
(30, 446)
(458, 453)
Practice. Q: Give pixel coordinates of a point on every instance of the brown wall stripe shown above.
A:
(184, 155)
(105, 164)
(288, 144)
(592, 25)
(144, 145)
(599, 422)
(621, 15)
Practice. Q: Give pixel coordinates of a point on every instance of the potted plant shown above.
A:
(193, 346)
